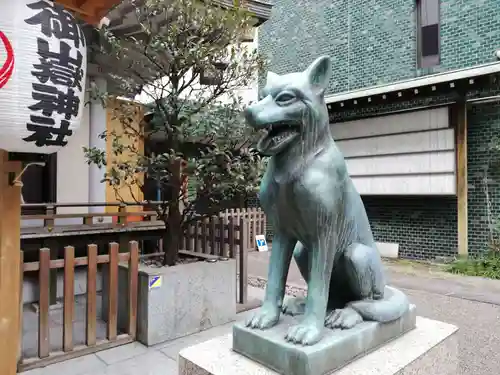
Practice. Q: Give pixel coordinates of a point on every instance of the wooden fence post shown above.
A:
(10, 220)
(21, 305)
(49, 211)
(44, 304)
(90, 332)
(69, 297)
(243, 261)
(111, 331)
(133, 267)
(120, 218)
(230, 238)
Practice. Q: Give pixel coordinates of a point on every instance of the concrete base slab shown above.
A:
(431, 349)
(336, 349)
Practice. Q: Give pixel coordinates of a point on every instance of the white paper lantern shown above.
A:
(43, 62)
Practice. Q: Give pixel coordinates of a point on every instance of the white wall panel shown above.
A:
(399, 123)
(401, 143)
(406, 185)
(73, 172)
(411, 153)
(443, 161)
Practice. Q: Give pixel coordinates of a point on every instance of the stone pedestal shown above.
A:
(335, 350)
(431, 349)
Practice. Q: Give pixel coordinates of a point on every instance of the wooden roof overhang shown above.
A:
(90, 11)
(454, 84)
(123, 21)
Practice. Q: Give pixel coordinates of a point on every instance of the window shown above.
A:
(39, 183)
(212, 77)
(428, 33)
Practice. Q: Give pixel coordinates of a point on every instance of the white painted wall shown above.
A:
(97, 114)
(73, 171)
(441, 161)
(433, 140)
(77, 182)
(410, 153)
(398, 123)
(98, 122)
(247, 94)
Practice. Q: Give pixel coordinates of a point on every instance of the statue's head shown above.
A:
(291, 108)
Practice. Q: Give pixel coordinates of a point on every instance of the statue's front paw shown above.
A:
(305, 333)
(266, 317)
(294, 306)
(343, 318)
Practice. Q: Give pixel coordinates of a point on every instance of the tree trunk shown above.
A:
(173, 222)
(171, 239)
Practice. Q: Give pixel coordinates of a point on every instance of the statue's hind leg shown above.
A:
(297, 305)
(363, 272)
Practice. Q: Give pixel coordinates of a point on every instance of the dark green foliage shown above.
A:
(487, 265)
(190, 129)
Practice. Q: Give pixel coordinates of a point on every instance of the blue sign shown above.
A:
(260, 241)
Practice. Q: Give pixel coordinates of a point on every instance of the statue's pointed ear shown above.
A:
(319, 72)
(272, 78)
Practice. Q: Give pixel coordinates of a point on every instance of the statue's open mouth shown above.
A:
(277, 137)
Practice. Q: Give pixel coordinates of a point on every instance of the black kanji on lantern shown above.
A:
(59, 67)
(43, 131)
(59, 74)
(56, 21)
(50, 99)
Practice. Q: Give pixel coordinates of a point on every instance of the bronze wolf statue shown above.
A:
(317, 214)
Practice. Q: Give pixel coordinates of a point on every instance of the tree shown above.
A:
(192, 130)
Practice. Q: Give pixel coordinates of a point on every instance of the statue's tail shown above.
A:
(393, 306)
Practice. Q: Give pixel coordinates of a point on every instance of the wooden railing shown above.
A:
(212, 238)
(50, 212)
(113, 338)
(230, 234)
(256, 220)
(123, 217)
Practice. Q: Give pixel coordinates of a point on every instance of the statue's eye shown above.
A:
(285, 97)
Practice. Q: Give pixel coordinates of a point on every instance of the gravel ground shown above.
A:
(472, 304)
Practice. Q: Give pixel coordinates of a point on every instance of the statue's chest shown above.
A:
(281, 201)
(275, 197)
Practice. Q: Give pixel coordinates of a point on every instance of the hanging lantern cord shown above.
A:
(16, 180)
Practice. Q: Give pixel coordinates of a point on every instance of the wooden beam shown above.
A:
(98, 8)
(91, 11)
(10, 258)
(462, 186)
(72, 5)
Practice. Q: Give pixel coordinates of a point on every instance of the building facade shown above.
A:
(66, 177)
(414, 108)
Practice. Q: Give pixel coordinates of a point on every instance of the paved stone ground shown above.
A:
(137, 359)
(472, 304)
(30, 326)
